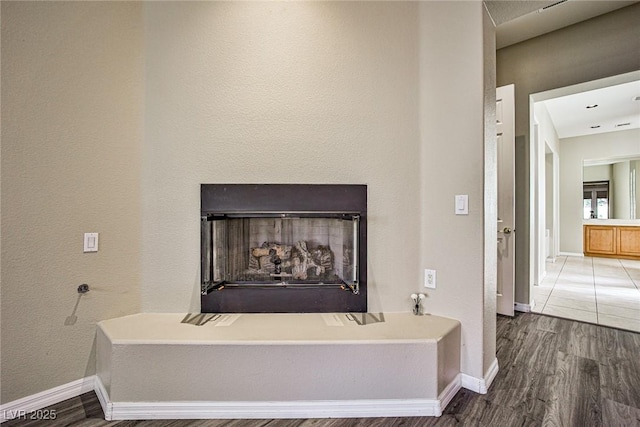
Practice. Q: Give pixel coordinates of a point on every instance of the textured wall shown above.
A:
(322, 93)
(71, 141)
(160, 97)
(317, 93)
(452, 126)
(600, 47)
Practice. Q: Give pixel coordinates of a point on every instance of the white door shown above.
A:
(505, 128)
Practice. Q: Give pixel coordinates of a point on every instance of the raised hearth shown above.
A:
(277, 365)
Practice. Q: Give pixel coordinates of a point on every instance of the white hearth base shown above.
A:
(152, 366)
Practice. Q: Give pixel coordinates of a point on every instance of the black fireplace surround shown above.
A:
(283, 248)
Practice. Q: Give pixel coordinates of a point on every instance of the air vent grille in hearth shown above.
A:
(552, 5)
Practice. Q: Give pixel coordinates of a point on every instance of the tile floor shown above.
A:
(604, 291)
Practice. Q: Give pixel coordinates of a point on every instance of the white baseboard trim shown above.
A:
(266, 410)
(524, 308)
(25, 407)
(449, 393)
(103, 398)
(229, 410)
(277, 409)
(481, 385)
(491, 373)
(578, 254)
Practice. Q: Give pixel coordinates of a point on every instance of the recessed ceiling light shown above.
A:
(592, 106)
(595, 127)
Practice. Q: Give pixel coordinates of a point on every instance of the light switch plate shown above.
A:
(91, 242)
(462, 204)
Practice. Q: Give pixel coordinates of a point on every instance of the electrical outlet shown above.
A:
(429, 278)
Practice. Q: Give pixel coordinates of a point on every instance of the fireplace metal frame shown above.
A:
(287, 199)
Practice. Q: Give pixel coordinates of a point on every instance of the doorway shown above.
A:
(558, 161)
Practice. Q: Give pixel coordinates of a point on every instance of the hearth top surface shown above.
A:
(276, 329)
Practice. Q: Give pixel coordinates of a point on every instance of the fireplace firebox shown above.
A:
(283, 248)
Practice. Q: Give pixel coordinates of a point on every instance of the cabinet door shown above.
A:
(599, 240)
(628, 241)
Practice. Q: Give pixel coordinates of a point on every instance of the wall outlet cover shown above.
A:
(429, 278)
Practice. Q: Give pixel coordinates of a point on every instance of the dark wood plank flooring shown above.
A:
(553, 372)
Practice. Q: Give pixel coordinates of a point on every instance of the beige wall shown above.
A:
(597, 48)
(318, 93)
(621, 208)
(446, 147)
(72, 88)
(338, 105)
(456, 151)
(596, 173)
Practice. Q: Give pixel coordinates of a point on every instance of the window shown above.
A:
(596, 200)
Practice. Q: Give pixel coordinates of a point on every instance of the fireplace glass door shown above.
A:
(270, 250)
(283, 248)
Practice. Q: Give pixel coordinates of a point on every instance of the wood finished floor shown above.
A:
(553, 372)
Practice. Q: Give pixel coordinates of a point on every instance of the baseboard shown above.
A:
(578, 254)
(490, 375)
(103, 398)
(481, 385)
(291, 409)
(449, 393)
(524, 308)
(267, 410)
(26, 407)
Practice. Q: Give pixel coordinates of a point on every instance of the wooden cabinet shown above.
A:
(628, 242)
(599, 240)
(613, 241)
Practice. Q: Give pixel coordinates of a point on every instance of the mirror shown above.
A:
(611, 188)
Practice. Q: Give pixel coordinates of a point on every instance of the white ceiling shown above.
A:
(616, 106)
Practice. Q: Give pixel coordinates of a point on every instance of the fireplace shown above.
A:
(283, 248)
